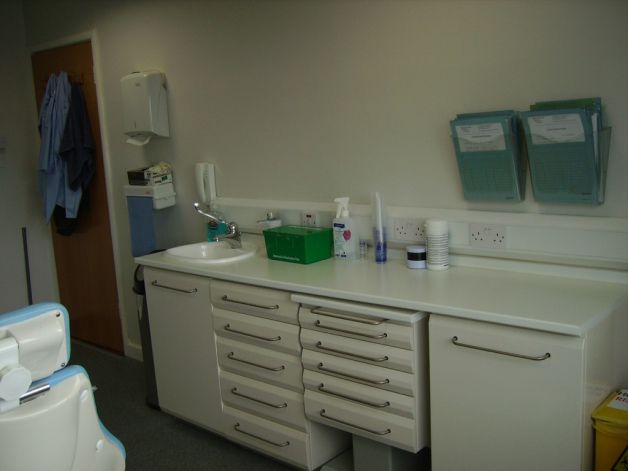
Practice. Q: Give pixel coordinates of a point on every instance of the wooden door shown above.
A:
(84, 260)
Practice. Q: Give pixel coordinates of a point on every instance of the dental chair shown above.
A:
(48, 418)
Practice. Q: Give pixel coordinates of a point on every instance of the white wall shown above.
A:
(19, 198)
(308, 100)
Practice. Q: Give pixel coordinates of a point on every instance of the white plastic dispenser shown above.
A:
(145, 106)
(345, 235)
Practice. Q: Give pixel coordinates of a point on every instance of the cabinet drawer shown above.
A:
(257, 331)
(262, 364)
(379, 426)
(284, 443)
(262, 302)
(358, 350)
(356, 393)
(262, 399)
(369, 375)
(359, 327)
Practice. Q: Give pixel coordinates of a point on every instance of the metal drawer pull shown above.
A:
(357, 378)
(268, 339)
(322, 312)
(235, 392)
(278, 368)
(238, 429)
(455, 341)
(260, 306)
(362, 357)
(322, 389)
(374, 432)
(370, 336)
(180, 290)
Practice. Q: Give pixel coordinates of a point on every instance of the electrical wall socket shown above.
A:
(310, 218)
(488, 236)
(407, 230)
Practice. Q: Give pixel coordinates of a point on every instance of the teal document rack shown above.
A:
(488, 154)
(568, 151)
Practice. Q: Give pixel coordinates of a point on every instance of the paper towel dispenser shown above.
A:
(145, 106)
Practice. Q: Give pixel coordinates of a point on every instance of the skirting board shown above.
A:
(133, 350)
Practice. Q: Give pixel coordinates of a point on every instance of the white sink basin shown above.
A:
(211, 252)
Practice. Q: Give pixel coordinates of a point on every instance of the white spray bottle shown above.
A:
(345, 235)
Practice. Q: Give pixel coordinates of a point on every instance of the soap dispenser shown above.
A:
(345, 235)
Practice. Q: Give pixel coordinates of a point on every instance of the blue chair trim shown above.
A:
(68, 372)
(36, 310)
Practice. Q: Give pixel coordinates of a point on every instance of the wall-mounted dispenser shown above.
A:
(150, 228)
(145, 106)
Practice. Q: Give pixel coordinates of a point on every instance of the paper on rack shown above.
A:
(556, 128)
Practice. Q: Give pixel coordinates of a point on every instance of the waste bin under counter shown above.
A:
(610, 421)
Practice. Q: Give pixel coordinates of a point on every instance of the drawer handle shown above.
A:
(180, 290)
(226, 299)
(355, 355)
(455, 341)
(235, 392)
(322, 389)
(324, 312)
(270, 442)
(348, 376)
(368, 336)
(268, 339)
(269, 368)
(374, 432)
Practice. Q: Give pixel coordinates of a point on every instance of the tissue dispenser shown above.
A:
(299, 244)
(145, 106)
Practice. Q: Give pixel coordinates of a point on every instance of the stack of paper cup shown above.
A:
(437, 234)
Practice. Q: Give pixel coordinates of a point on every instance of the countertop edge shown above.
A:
(219, 272)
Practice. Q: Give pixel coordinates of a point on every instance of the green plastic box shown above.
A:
(299, 244)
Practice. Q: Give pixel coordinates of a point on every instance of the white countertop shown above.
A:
(542, 302)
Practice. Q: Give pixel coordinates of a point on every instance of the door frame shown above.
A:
(130, 350)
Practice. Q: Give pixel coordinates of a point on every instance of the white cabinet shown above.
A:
(366, 373)
(184, 349)
(261, 376)
(511, 398)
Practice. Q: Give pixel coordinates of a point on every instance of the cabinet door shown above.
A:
(184, 349)
(491, 411)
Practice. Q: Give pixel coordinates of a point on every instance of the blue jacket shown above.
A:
(54, 183)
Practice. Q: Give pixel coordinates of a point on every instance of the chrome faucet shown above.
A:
(233, 235)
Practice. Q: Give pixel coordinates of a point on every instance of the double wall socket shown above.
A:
(488, 236)
(407, 230)
(310, 218)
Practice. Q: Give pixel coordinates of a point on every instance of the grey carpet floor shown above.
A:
(155, 441)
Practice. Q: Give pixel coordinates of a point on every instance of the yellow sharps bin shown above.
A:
(610, 421)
